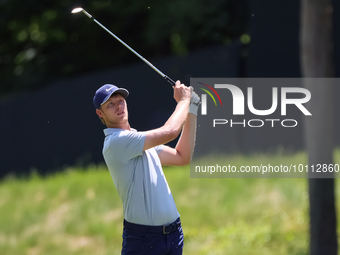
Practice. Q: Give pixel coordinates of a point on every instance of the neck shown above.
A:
(125, 126)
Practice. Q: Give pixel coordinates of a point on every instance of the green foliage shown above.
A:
(79, 212)
(43, 40)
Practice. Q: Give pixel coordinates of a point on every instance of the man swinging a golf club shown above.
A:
(151, 221)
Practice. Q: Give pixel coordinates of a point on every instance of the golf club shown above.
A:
(79, 9)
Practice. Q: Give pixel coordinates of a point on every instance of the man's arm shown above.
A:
(182, 153)
(171, 129)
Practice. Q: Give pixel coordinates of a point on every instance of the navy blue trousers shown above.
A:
(143, 242)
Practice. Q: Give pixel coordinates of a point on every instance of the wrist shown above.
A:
(185, 100)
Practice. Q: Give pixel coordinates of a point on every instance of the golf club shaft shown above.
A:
(127, 46)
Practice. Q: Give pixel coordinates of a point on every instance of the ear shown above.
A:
(99, 113)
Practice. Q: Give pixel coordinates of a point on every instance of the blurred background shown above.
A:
(53, 61)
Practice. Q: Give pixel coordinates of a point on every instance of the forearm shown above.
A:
(186, 143)
(170, 130)
(176, 121)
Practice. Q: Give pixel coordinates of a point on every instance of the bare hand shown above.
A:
(181, 92)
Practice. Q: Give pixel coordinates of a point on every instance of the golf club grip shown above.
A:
(169, 80)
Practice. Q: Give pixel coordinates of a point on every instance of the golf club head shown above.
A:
(76, 10)
(79, 9)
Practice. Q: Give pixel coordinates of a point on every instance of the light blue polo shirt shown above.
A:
(139, 178)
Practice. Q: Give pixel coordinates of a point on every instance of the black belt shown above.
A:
(154, 229)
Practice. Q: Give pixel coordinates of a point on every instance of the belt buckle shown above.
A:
(164, 232)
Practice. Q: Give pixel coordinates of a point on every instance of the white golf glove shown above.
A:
(194, 102)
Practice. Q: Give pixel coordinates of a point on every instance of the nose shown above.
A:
(120, 104)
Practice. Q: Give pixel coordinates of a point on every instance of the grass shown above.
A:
(78, 211)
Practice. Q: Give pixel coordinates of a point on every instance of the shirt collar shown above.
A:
(110, 131)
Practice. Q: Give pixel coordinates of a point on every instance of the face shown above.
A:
(114, 112)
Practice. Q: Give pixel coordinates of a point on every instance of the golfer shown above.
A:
(151, 221)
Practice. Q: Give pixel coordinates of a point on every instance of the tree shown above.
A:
(42, 40)
(317, 61)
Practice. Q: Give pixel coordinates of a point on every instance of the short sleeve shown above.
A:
(159, 148)
(126, 145)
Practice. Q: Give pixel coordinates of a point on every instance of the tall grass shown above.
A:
(78, 211)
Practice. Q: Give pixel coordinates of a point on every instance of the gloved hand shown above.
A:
(195, 102)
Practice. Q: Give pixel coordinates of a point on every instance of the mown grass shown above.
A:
(78, 211)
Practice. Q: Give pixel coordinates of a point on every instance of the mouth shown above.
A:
(121, 113)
